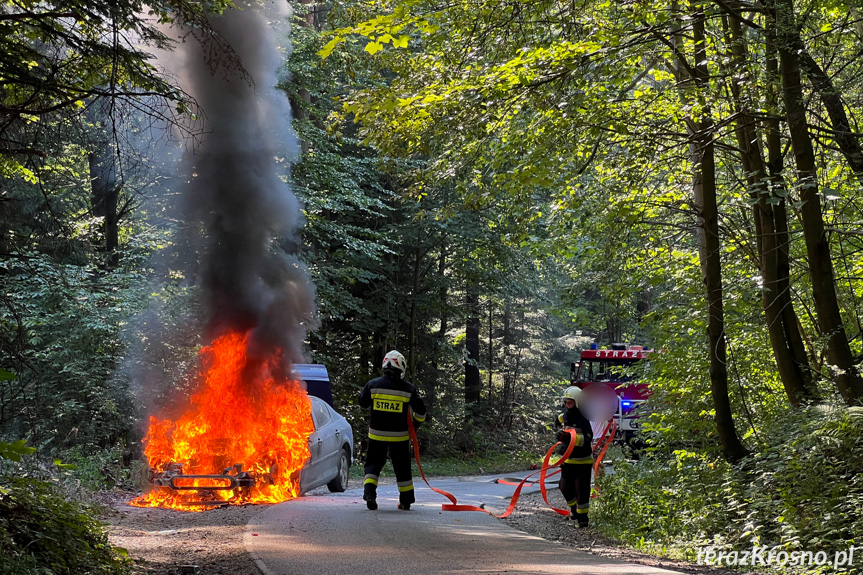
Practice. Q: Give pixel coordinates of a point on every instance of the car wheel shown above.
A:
(340, 483)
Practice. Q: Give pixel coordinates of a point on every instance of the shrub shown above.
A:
(803, 490)
(42, 533)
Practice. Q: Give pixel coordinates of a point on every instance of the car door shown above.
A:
(324, 446)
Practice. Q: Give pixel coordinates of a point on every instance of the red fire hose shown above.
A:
(603, 445)
(454, 504)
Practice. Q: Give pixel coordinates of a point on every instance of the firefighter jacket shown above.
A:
(389, 398)
(582, 452)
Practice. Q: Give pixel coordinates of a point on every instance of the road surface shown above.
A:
(328, 533)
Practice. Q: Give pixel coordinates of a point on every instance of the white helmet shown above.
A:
(395, 360)
(572, 392)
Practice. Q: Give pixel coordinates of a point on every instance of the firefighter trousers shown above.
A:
(575, 488)
(376, 457)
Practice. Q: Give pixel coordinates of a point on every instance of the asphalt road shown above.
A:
(327, 534)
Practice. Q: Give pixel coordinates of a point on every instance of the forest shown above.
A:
(488, 186)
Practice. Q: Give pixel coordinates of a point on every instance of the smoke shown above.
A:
(239, 206)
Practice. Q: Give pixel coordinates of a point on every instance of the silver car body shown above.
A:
(331, 447)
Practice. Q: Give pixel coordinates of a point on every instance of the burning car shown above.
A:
(251, 433)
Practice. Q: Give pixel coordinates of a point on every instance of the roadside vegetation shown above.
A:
(799, 491)
(47, 524)
(489, 187)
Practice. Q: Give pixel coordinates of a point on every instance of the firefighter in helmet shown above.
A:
(575, 471)
(392, 400)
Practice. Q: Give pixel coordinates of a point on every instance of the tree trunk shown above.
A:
(431, 383)
(843, 135)
(508, 371)
(300, 105)
(104, 182)
(794, 370)
(704, 191)
(848, 381)
(775, 167)
(490, 350)
(412, 327)
(472, 383)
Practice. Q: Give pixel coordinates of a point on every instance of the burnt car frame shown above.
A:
(330, 451)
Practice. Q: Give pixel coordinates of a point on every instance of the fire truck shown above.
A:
(613, 367)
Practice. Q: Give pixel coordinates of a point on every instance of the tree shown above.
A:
(848, 380)
(769, 216)
(57, 56)
(76, 77)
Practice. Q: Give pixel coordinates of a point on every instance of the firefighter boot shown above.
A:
(370, 496)
(405, 499)
(583, 520)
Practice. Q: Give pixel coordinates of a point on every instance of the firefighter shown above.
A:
(575, 471)
(392, 400)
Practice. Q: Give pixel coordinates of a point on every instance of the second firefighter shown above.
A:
(576, 470)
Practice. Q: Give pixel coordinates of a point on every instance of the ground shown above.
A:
(166, 542)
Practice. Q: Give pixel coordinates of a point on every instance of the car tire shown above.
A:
(340, 482)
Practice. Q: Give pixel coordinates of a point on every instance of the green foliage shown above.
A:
(15, 449)
(65, 320)
(56, 57)
(802, 491)
(392, 255)
(93, 471)
(42, 533)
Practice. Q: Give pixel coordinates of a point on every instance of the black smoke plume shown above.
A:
(241, 209)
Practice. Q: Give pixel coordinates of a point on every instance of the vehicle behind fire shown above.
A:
(330, 446)
(615, 368)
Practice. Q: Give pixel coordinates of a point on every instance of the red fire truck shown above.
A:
(610, 367)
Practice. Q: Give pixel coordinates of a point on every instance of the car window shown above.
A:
(320, 414)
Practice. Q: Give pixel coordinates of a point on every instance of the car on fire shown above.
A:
(332, 442)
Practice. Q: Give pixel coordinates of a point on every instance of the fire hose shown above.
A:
(603, 445)
(454, 505)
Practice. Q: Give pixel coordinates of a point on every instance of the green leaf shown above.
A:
(374, 47)
(13, 451)
(329, 47)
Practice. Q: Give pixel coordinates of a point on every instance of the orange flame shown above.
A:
(241, 416)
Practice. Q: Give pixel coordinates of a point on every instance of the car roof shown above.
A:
(313, 371)
(317, 380)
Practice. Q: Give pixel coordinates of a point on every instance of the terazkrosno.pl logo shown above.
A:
(777, 557)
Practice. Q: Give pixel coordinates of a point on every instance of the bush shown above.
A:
(802, 491)
(42, 533)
